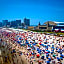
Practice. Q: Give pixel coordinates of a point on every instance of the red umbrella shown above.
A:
(40, 40)
(40, 43)
(46, 52)
(25, 38)
(38, 55)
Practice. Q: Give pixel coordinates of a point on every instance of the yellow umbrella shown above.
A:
(38, 45)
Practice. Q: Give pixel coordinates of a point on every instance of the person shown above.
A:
(53, 61)
(31, 62)
(5, 58)
(39, 62)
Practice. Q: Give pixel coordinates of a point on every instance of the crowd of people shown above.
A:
(37, 48)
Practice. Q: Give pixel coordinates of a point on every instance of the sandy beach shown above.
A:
(31, 48)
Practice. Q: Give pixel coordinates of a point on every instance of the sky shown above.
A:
(35, 10)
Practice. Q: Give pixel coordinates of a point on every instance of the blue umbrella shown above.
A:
(61, 58)
(34, 44)
(37, 49)
(27, 42)
(48, 51)
(45, 42)
(18, 42)
(61, 55)
(33, 53)
(48, 62)
(42, 44)
(49, 59)
(19, 38)
(42, 57)
(58, 58)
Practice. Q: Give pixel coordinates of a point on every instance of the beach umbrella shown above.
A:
(46, 52)
(38, 45)
(25, 38)
(27, 42)
(42, 44)
(54, 55)
(37, 49)
(48, 62)
(47, 55)
(45, 42)
(19, 38)
(38, 55)
(42, 55)
(17, 35)
(18, 42)
(28, 48)
(49, 59)
(40, 40)
(57, 39)
(33, 53)
(61, 58)
(61, 55)
(39, 52)
(58, 58)
(34, 44)
(22, 44)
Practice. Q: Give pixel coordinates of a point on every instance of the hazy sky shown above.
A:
(35, 10)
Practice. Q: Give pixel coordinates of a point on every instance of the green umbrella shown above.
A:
(42, 55)
(54, 55)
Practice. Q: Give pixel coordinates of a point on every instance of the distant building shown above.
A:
(59, 27)
(23, 25)
(13, 24)
(39, 23)
(30, 27)
(18, 22)
(8, 24)
(4, 22)
(0, 24)
(27, 22)
(47, 26)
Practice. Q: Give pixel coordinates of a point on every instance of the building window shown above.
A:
(42, 27)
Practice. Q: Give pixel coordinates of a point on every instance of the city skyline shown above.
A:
(35, 10)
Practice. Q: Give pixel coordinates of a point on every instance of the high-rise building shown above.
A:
(0, 24)
(27, 22)
(13, 24)
(4, 22)
(18, 22)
